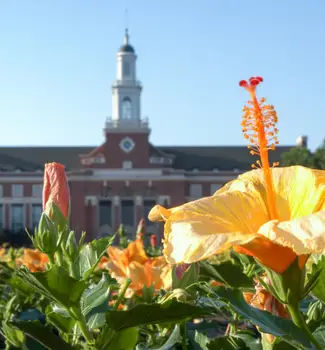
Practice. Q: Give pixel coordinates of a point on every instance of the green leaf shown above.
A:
(227, 343)
(90, 254)
(319, 289)
(266, 321)
(56, 285)
(94, 303)
(59, 318)
(190, 276)
(227, 273)
(124, 340)
(13, 335)
(142, 314)
(18, 284)
(251, 342)
(201, 339)
(319, 334)
(175, 338)
(42, 335)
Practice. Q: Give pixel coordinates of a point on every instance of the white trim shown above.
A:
(21, 179)
(3, 216)
(129, 177)
(31, 213)
(23, 200)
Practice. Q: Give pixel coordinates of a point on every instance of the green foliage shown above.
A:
(42, 335)
(229, 274)
(55, 284)
(189, 277)
(267, 322)
(297, 156)
(124, 340)
(302, 156)
(142, 314)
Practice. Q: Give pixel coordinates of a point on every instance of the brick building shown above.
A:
(121, 179)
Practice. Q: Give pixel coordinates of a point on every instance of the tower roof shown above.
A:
(126, 47)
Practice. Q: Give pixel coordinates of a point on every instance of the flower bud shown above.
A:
(46, 237)
(70, 246)
(316, 311)
(179, 294)
(153, 241)
(55, 190)
(141, 229)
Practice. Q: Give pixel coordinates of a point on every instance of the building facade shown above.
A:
(120, 180)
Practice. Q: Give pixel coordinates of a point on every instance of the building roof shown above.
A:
(184, 157)
(216, 157)
(126, 48)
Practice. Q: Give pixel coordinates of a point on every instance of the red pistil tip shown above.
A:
(243, 83)
(252, 82)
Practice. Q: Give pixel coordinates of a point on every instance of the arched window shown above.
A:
(126, 108)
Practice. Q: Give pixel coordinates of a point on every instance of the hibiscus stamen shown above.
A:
(259, 128)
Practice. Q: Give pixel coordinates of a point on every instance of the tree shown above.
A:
(298, 156)
(302, 156)
(319, 156)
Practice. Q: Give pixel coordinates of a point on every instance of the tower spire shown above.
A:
(126, 36)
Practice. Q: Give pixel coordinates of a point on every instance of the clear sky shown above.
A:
(57, 64)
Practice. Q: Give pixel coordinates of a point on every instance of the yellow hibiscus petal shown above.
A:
(199, 229)
(299, 191)
(159, 213)
(305, 235)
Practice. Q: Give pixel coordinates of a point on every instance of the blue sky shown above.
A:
(57, 64)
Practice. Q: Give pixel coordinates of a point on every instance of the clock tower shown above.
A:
(126, 132)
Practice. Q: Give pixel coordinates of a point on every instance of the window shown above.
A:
(214, 188)
(127, 212)
(1, 191)
(17, 217)
(148, 204)
(105, 213)
(126, 108)
(126, 68)
(37, 190)
(1, 217)
(127, 164)
(17, 190)
(195, 190)
(36, 214)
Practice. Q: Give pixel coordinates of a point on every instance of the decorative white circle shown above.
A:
(127, 144)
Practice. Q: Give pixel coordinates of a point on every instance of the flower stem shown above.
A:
(299, 321)
(51, 259)
(78, 316)
(184, 335)
(120, 297)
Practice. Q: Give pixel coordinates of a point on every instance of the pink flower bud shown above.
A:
(56, 189)
(153, 241)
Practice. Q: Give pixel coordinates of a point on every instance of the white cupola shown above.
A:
(126, 111)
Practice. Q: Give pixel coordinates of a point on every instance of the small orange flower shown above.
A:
(34, 260)
(265, 301)
(134, 263)
(56, 189)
